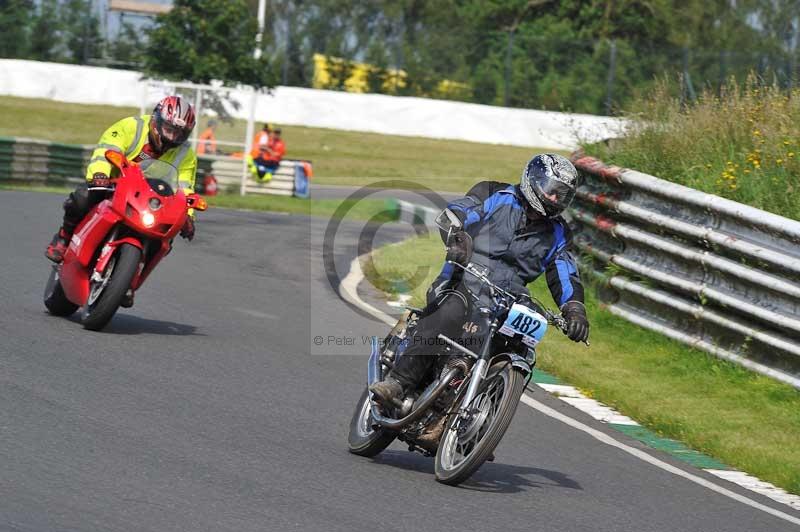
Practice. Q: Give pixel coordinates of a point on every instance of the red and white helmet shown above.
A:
(172, 122)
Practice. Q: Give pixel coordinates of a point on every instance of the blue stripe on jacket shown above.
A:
(477, 213)
(559, 242)
(565, 268)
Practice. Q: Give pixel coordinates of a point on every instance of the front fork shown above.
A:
(481, 366)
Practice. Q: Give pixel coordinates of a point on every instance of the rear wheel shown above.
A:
(470, 439)
(54, 298)
(105, 294)
(363, 439)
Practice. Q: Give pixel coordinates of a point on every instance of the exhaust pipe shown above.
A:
(421, 405)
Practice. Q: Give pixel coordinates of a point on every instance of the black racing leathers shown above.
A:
(514, 248)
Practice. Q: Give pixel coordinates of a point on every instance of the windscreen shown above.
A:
(162, 176)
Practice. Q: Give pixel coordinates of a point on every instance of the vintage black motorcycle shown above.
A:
(463, 407)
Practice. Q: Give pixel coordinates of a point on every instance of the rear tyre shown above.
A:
(106, 294)
(468, 442)
(54, 298)
(363, 439)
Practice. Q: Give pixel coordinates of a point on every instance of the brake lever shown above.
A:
(561, 323)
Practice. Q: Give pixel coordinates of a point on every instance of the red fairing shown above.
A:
(88, 236)
(92, 231)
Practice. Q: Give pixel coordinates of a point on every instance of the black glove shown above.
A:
(577, 322)
(459, 248)
(187, 231)
(99, 179)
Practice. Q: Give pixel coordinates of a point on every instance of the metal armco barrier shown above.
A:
(51, 163)
(712, 273)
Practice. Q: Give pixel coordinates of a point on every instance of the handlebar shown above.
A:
(554, 319)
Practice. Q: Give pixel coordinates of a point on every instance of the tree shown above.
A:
(81, 30)
(15, 18)
(205, 40)
(127, 48)
(46, 42)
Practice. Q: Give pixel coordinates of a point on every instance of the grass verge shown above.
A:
(741, 418)
(366, 209)
(339, 157)
(743, 144)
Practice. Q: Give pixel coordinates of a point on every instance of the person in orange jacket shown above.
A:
(260, 141)
(207, 142)
(268, 151)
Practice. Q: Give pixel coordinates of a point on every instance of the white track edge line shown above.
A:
(759, 486)
(608, 440)
(348, 291)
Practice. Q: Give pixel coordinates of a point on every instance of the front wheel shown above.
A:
(363, 439)
(470, 439)
(106, 293)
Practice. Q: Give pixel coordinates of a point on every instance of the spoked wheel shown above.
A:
(107, 291)
(363, 439)
(54, 298)
(471, 437)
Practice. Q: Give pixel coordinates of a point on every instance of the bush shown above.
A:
(743, 144)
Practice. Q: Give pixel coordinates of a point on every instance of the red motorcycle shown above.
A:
(120, 241)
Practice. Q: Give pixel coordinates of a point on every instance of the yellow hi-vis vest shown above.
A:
(129, 136)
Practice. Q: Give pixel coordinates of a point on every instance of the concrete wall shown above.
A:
(378, 113)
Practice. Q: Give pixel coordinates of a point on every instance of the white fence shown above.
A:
(375, 113)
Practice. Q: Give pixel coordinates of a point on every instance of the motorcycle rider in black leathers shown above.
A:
(513, 232)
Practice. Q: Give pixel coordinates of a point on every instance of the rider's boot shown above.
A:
(127, 299)
(388, 392)
(58, 246)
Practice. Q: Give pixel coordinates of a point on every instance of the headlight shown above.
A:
(148, 219)
(154, 204)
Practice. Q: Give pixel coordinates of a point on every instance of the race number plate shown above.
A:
(529, 323)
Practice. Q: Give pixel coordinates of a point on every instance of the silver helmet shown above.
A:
(548, 183)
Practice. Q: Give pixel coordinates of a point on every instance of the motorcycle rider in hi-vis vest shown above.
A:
(161, 135)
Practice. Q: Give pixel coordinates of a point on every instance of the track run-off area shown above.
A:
(210, 406)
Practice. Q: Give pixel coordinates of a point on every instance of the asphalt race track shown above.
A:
(207, 407)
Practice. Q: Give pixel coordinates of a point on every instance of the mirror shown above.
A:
(116, 158)
(448, 220)
(448, 223)
(196, 202)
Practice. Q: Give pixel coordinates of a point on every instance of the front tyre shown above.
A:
(363, 439)
(106, 293)
(54, 298)
(468, 441)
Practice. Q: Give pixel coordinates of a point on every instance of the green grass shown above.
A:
(743, 145)
(358, 210)
(6, 185)
(745, 420)
(339, 157)
(376, 210)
